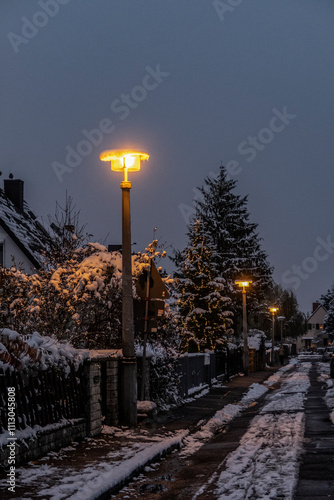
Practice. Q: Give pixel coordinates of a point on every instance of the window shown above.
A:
(309, 326)
(317, 326)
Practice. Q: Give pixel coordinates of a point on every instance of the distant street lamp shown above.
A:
(244, 284)
(127, 161)
(273, 310)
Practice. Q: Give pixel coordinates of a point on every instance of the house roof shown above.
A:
(316, 310)
(24, 228)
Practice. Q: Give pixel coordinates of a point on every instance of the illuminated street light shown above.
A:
(273, 310)
(123, 160)
(243, 283)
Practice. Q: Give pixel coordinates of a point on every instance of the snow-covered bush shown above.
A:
(77, 300)
(164, 379)
(256, 339)
(36, 352)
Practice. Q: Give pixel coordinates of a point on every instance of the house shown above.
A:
(22, 237)
(316, 337)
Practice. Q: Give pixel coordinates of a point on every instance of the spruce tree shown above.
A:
(234, 243)
(202, 303)
(327, 300)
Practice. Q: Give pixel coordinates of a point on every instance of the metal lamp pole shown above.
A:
(273, 310)
(129, 363)
(123, 160)
(243, 285)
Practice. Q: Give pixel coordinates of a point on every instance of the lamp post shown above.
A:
(127, 161)
(273, 310)
(244, 284)
(281, 320)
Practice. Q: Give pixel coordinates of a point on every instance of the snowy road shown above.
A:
(265, 462)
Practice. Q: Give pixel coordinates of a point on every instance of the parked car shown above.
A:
(331, 366)
(327, 354)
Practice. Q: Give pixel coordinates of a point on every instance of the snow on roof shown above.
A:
(24, 228)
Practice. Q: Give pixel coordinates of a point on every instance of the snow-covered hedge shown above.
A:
(36, 352)
(79, 300)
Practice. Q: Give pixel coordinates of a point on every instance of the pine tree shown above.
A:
(202, 304)
(235, 242)
(327, 300)
(295, 322)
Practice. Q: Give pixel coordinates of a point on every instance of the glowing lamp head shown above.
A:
(273, 310)
(124, 159)
(243, 283)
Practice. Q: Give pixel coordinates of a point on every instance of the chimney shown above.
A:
(14, 191)
(315, 306)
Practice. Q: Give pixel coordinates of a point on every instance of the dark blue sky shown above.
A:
(194, 83)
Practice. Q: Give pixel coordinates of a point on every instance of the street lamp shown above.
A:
(244, 284)
(123, 160)
(273, 310)
(281, 320)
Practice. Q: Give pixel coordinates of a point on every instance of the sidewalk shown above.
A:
(97, 467)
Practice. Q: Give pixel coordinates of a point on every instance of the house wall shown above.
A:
(317, 317)
(315, 327)
(11, 249)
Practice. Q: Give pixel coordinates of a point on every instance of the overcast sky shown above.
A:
(194, 83)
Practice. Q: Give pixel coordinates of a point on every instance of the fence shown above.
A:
(197, 371)
(42, 397)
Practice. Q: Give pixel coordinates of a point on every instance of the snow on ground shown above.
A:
(127, 451)
(135, 450)
(265, 465)
(93, 481)
(222, 417)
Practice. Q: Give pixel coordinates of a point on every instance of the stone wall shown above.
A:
(93, 407)
(111, 392)
(50, 438)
